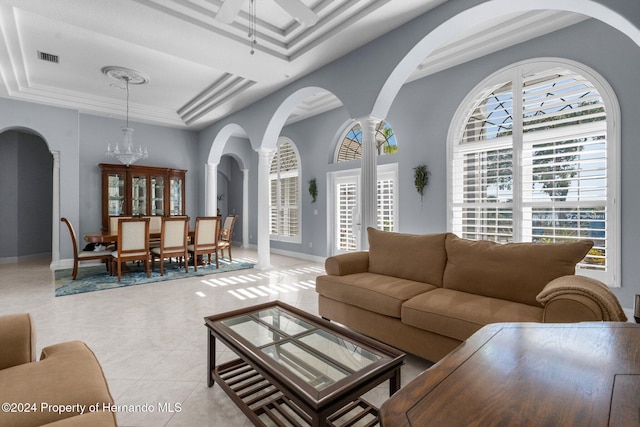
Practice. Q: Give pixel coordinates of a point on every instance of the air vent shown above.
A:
(49, 57)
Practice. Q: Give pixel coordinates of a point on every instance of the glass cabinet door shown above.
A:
(157, 195)
(176, 196)
(136, 190)
(139, 195)
(115, 188)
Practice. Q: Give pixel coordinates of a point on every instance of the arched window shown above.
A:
(284, 193)
(351, 146)
(345, 188)
(544, 175)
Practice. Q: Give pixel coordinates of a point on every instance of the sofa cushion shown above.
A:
(408, 256)
(67, 374)
(513, 271)
(370, 291)
(459, 314)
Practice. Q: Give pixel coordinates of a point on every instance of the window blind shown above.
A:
(284, 193)
(541, 178)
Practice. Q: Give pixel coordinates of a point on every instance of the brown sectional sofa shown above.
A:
(426, 294)
(51, 391)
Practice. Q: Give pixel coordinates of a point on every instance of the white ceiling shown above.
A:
(201, 70)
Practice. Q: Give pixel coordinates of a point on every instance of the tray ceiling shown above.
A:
(199, 69)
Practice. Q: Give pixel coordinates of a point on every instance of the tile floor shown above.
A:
(151, 339)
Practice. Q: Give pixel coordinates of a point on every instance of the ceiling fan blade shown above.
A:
(228, 11)
(299, 11)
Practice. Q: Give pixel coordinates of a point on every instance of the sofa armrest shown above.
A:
(577, 298)
(570, 309)
(17, 340)
(350, 263)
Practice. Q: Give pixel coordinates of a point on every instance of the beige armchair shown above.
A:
(173, 242)
(81, 255)
(67, 374)
(205, 240)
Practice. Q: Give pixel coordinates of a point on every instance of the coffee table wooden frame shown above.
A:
(240, 378)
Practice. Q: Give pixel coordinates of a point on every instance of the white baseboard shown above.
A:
(14, 259)
(306, 257)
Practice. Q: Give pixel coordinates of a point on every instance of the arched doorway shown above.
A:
(230, 188)
(26, 174)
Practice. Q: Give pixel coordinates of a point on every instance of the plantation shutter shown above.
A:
(564, 162)
(483, 165)
(386, 214)
(284, 197)
(540, 176)
(347, 200)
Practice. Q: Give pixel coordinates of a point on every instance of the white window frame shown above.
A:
(278, 237)
(612, 275)
(386, 171)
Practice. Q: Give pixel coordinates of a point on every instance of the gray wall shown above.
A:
(25, 196)
(168, 147)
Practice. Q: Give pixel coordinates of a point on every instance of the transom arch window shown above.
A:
(346, 187)
(350, 147)
(284, 193)
(546, 174)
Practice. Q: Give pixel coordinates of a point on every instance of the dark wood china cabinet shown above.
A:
(141, 191)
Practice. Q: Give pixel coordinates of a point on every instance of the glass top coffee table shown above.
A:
(297, 369)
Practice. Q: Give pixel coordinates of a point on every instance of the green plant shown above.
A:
(313, 190)
(420, 179)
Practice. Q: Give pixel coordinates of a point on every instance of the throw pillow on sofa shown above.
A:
(408, 256)
(513, 271)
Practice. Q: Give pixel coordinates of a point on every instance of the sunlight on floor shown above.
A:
(279, 282)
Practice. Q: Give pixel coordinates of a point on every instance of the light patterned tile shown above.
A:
(151, 340)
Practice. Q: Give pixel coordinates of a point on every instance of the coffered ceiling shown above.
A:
(199, 68)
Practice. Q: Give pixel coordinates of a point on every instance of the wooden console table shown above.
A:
(585, 374)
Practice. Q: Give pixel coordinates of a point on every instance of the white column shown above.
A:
(211, 190)
(55, 229)
(264, 245)
(245, 208)
(368, 180)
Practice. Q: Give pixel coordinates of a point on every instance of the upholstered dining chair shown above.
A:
(82, 255)
(113, 223)
(155, 228)
(173, 242)
(226, 234)
(205, 239)
(133, 244)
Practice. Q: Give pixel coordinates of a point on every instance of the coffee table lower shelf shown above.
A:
(265, 405)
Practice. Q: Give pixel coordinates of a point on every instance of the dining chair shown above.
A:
(205, 239)
(226, 235)
(133, 244)
(113, 227)
(113, 223)
(155, 228)
(82, 255)
(173, 242)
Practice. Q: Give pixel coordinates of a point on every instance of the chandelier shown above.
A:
(124, 151)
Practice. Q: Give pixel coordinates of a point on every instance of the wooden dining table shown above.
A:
(108, 237)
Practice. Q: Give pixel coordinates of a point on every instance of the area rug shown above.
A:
(96, 278)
